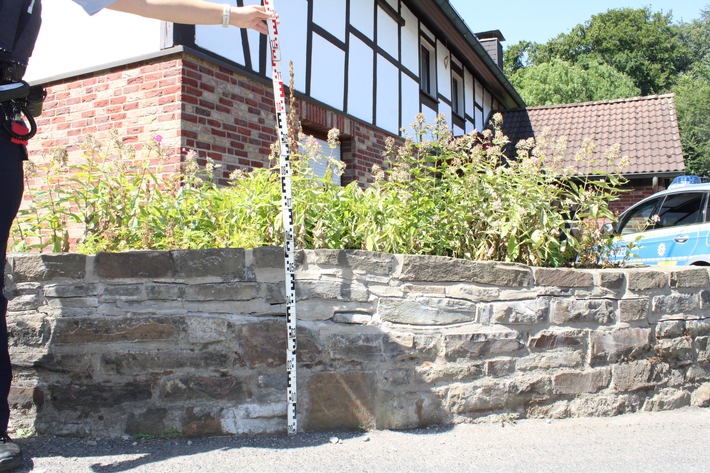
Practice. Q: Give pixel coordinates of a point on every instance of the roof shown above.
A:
(645, 128)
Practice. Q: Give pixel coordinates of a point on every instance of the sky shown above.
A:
(541, 20)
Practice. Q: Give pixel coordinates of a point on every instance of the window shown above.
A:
(681, 209)
(427, 72)
(639, 219)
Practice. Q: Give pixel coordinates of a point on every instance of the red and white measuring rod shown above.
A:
(287, 214)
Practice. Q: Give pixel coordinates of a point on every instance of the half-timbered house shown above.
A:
(366, 67)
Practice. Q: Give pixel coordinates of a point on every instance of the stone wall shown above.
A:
(195, 341)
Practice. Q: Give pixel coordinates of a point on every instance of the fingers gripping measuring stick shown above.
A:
(287, 214)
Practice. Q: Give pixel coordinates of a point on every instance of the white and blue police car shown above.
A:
(669, 228)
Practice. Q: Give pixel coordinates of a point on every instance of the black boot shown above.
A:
(10, 454)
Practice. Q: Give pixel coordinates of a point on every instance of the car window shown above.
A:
(639, 218)
(681, 209)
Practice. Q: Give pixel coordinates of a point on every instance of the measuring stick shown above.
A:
(287, 214)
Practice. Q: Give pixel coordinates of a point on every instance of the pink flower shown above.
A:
(158, 138)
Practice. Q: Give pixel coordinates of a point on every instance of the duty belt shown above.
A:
(11, 71)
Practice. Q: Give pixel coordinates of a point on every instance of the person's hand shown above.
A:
(253, 17)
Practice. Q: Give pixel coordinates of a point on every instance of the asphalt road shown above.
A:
(674, 441)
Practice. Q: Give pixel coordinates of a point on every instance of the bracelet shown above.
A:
(226, 12)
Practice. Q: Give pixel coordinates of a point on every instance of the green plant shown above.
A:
(436, 194)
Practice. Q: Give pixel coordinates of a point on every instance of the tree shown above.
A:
(645, 46)
(692, 97)
(559, 82)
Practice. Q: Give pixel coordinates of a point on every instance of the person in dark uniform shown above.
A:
(20, 22)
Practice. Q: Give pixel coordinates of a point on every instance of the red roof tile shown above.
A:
(645, 128)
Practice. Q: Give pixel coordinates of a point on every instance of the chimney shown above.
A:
(491, 41)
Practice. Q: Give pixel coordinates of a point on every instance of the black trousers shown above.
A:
(11, 188)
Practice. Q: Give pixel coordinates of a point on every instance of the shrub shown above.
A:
(435, 194)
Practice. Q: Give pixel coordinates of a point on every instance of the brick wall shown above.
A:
(192, 103)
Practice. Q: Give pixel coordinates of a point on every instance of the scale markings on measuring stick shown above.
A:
(287, 214)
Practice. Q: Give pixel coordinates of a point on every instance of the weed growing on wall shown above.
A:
(435, 194)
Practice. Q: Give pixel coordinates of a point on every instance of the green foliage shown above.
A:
(437, 195)
(693, 107)
(560, 82)
(645, 46)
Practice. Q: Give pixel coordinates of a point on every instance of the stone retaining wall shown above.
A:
(195, 341)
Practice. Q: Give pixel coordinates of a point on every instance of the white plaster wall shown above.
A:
(487, 105)
(410, 102)
(387, 33)
(294, 40)
(362, 16)
(410, 41)
(387, 95)
(71, 40)
(360, 88)
(443, 70)
(330, 15)
(327, 73)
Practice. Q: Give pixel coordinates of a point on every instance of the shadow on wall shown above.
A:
(193, 343)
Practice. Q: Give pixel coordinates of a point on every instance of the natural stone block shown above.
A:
(698, 328)
(644, 280)
(614, 280)
(552, 359)
(670, 329)
(262, 343)
(202, 422)
(668, 399)
(600, 311)
(634, 310)
(557, 337)
(443, 269)
(163, 362)
(426, 311)
(690, 278)
(619, 343)
(603, 405)
(556, 410)
(519, 312)
(46, 267)
(134, 264)
(341, 400)
(70, 290)
(580, 382)
(216, 388)
(116, 329)
(148, 422)
(225, 263)
(637, 375)
(30, 330)
(496, 394)
(677, 350)
(76, 396)
(396, 410)
(563, 277)
(701, 396)
(675, 304)
(363, 262)
(480, 343)
(343, 290)
(435, 373)
(500, 367)
(28, 302)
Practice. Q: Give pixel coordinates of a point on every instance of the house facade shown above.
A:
(366, 67)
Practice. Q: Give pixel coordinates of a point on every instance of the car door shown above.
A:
(635, 227)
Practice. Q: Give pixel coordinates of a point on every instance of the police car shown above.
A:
(670, 228)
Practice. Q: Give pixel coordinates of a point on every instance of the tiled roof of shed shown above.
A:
(646, 128)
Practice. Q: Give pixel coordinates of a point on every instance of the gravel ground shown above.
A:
(673, 441)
